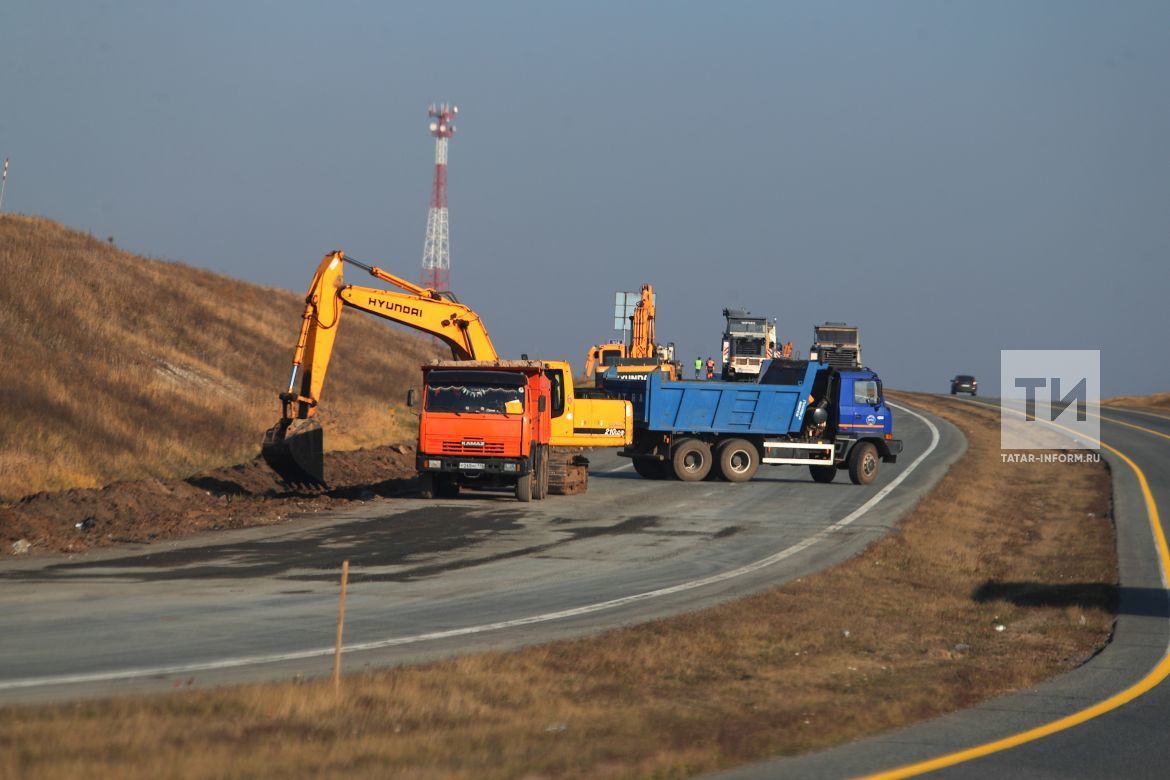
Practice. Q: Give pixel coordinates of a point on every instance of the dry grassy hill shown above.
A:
(1156, 400)
(121, 367)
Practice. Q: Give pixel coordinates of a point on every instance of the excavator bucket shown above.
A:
(295, 450)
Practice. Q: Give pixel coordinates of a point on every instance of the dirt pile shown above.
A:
(237, 496)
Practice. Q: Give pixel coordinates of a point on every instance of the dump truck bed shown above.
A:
(714, 407)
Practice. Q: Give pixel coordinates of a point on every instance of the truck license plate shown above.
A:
(471, 466)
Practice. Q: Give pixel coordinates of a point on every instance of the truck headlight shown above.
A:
(434, 464)
(510, 467)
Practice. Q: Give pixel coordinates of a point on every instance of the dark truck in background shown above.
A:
(837, 344)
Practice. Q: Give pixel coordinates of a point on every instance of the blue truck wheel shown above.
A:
(863, 463)
(691, 460)
(738, 460)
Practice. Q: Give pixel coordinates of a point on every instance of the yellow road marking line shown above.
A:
(1153, 678)
(1137, 411)
(1131, 425)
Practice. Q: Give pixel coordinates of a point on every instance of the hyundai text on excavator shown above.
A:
(294, 447)
(643, 353)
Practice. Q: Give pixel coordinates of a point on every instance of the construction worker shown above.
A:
(698, 367)
(710, 368)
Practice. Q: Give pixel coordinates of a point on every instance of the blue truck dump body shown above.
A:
(714, 407)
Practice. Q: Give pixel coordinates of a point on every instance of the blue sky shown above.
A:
(956, 178)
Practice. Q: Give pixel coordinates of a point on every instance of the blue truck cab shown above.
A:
(797, 413)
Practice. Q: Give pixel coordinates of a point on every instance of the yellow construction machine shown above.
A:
(294, 447)
(643, 353)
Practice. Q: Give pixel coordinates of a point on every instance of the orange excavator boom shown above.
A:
(294, 447)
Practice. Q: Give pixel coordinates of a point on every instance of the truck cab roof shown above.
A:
(462, 377)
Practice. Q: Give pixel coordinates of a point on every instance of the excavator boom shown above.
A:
(294, 447)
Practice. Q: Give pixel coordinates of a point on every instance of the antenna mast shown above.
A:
(436, 260)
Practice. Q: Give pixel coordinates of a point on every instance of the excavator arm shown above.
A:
(642, 344)
(294, 446)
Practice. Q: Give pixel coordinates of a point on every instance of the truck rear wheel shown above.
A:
(651, 469)
(524, 488)
(823, 474)
(863, 463)
(691, 460)
(738, 460)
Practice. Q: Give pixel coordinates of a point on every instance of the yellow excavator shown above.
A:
(643, 353)
(294, 447)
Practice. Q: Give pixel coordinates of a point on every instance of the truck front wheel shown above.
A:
(447, 486)
(863, 463)
(823, 474)
(691, 460)
(426, 486)
(540, 472)
(524, 488)
(738, 460)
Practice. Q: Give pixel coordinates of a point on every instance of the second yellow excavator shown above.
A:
(642, 353)
(294, 447)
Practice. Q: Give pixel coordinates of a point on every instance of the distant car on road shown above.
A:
(964, 383)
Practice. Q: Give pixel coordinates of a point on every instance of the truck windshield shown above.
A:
(475, 399)
(745, 326)
(836, 337)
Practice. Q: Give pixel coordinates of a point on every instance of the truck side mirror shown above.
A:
(411, 397)
(541, 404)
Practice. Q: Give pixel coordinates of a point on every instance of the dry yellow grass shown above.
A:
(122, 367)
(900, 633)
(1155, 400)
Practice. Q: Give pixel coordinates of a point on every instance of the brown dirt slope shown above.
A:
(239, 496)
(122, 367)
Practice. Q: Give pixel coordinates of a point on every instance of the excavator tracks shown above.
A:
(568, 472)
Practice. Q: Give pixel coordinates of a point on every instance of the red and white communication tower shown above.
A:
(436, 261)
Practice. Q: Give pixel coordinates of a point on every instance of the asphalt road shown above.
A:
(1126, 739)
(434, 578)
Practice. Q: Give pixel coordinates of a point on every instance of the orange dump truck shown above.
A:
(484, 424)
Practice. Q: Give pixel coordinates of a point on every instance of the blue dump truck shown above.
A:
(798, 413)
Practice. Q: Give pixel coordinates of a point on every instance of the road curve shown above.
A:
(1121, 695)
(435, 578)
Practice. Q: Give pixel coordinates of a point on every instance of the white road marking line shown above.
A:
(616, 470)
(232, 663)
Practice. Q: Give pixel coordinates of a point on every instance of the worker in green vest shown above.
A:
(698, 367)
